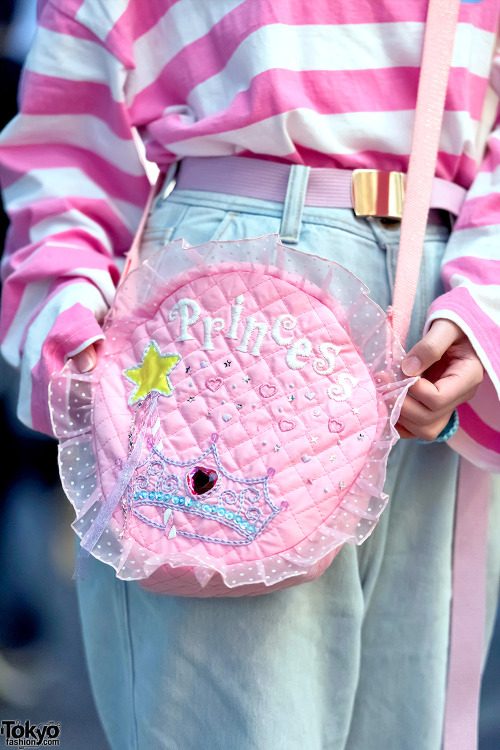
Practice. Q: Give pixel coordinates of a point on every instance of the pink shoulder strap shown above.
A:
(441, 25)
(460, 730)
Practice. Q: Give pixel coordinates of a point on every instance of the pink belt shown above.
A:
(369, 192)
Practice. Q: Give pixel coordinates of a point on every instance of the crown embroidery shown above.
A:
(202, 488)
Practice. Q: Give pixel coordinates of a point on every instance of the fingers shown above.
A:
(427, 420)
(443, 396)
(441, 335)
(422, 423)
(427, 433)
(86, 360)
(450, 374)
(404, 433)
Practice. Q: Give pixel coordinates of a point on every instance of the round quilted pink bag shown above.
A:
(235, 432)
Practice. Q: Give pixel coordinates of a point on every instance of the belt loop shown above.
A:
(170, 177)
(168, 183)
(294, 203)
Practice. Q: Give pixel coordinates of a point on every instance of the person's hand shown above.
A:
(451, 372)
(86, 360)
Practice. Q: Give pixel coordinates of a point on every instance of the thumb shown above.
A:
(431, 347)
(86, 360)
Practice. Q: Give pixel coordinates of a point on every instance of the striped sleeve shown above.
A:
(74, 187)
(471, 274)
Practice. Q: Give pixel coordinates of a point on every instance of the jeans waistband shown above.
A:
(293, 185)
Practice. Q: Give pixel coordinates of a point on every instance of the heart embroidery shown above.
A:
(286, 425)
(309, 395)
(334, 425)
(267, 390)
(213, 384)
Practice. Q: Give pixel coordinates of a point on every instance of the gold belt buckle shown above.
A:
(378, 193)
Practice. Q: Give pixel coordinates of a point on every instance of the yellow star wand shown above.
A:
(152, 373)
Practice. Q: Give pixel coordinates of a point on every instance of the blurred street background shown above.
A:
(43, 676)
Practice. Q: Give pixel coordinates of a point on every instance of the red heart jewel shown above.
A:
(201, 480)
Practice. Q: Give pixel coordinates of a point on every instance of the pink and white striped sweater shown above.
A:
(329, 84)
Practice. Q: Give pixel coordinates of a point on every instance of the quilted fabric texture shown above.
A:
(236, 430)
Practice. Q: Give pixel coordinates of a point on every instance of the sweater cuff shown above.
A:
(73, 330)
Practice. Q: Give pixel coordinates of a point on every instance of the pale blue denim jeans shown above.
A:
(355, 660)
